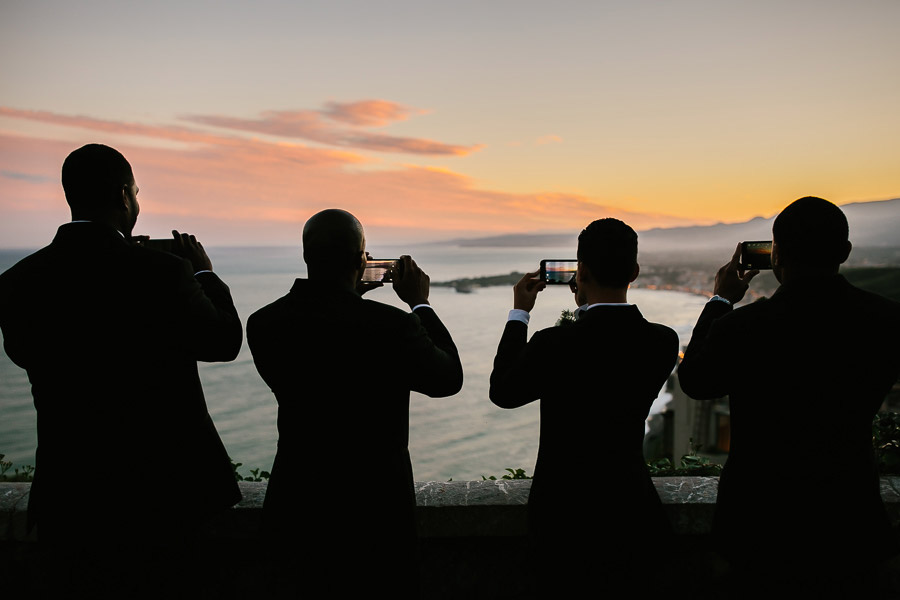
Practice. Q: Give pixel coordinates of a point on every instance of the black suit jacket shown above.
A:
(110, 335)
(341, 369)
(596, 380)
(805, 372)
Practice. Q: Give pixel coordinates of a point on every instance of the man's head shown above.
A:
(334, 245)
(810, 235)
(608, 248)
(99, 186)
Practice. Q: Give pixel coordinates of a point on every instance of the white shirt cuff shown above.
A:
(517, 314)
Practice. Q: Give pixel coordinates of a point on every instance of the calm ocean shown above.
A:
(462, 437)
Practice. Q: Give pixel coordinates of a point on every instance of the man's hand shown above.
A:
(414, 284)
(187, 246)
(526, 290)
(732, 281)
(367, 286)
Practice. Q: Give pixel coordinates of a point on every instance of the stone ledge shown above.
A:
(450, 509)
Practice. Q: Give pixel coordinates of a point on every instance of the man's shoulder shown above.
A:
(386, 311)
(663, 332)
(758, 311)
(270, 311)
(873, 301)
(34, 262)
(301, 302)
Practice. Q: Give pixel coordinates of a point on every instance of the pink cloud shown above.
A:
(372, 113)
(179, 134)
(318, 126)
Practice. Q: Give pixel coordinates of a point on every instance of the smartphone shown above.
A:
(382, 270)
(756, 255)
(558, 271)
(164, 244)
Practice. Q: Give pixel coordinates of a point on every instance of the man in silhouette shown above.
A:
(342, 369)
(110, 333)
(805, 372)
(596, 380)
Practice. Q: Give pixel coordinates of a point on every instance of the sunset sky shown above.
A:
(434, 120)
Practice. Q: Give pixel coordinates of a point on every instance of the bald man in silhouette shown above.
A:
(339, 509)
(805, 372)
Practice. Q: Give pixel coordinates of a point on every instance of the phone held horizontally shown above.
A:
(164, 244)
(558, 271)
(756, 255)
(382, 270)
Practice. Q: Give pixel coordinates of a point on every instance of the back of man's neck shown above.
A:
(606, 296)
(347, 283)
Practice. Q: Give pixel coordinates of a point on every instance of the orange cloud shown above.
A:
(317, 126)
(372, 113)
(548, 139)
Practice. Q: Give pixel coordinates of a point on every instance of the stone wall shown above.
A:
(473, 535)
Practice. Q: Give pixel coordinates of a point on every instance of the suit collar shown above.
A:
(89, 233)
(617, 311)
(306, 287)
(812, 287)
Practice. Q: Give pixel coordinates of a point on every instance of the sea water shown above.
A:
(461, 437)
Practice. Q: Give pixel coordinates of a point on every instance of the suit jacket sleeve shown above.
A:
(703, 373)
(433, 360)
(515, 365)
(213, 328)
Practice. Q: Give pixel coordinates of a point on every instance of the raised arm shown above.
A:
(433, 366)
(516, 361)
(212, 328)
(703, 371)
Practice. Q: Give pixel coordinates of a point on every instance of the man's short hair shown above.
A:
(609, 249)
(91, 176)
(333, 240)
(811, 231)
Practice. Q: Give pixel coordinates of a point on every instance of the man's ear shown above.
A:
(122, 201)
(361, 265)
(637, 271)
(582, 274)
(845, 253)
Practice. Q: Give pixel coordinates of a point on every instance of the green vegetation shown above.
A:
(886, 439)
(513, 474)
(692, 465)
(27, 473)
(255, 474)
(469, 283)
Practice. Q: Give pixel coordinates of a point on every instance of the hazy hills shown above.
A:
(873, 225)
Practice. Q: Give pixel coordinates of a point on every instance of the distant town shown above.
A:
(697, 278)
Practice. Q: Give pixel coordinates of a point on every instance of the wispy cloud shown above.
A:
(29, 177)
(339, 125)
(369, 113)
(548, 139)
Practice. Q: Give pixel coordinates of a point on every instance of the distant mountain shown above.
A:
(872, 225)
(518, 240)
